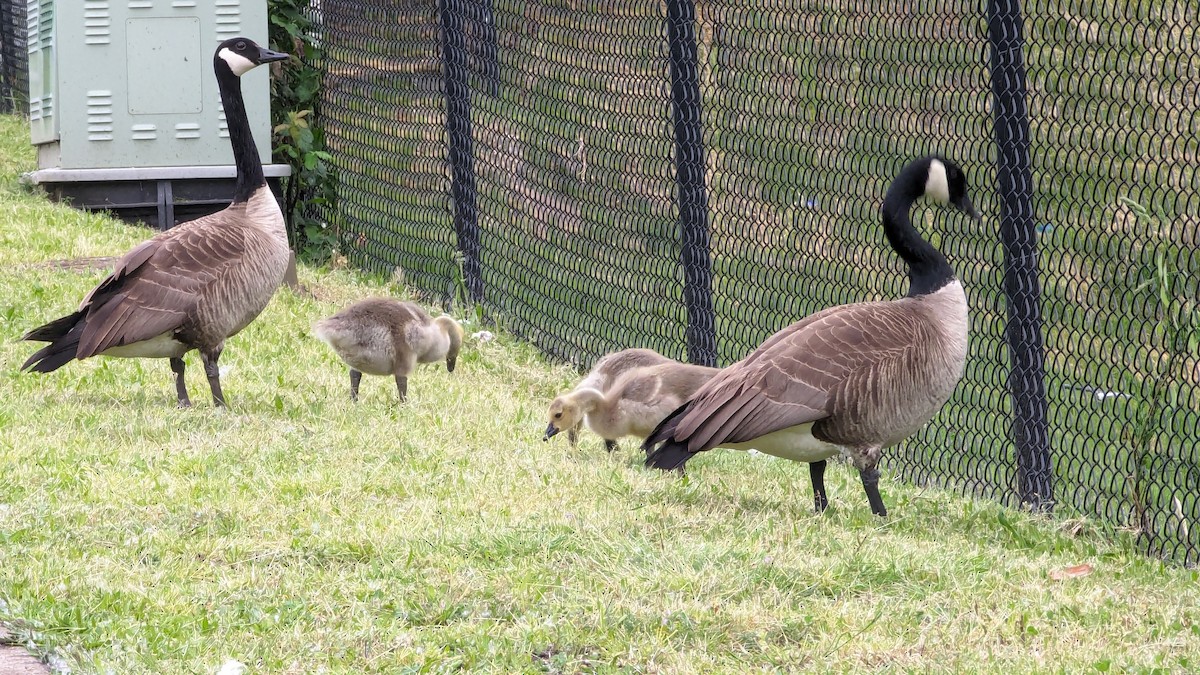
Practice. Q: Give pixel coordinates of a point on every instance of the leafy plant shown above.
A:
(1176, 337)
(299, 139)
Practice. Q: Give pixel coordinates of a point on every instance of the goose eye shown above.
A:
(241, 46)
(557, 415)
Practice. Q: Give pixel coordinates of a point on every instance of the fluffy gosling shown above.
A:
(382, 336)
(634, 405)
(606, 371)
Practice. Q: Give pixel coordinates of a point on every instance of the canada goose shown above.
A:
(635, 403)
(196, 284)
(382, 336)
(853, 378)
(605, 372)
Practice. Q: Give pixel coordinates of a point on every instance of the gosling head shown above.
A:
(946, 183)
(241, 55)
(564, 413)
(454, 331)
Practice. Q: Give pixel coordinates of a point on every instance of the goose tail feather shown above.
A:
(63, 335)
(663, 450)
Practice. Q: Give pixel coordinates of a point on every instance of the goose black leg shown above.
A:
(870, 481)
(610, 445)
(573, 435)
(816, 470)
(355, 378)
(180, 386)
(213, 373)
(402, 386)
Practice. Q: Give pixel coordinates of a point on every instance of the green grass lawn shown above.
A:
(298, 532)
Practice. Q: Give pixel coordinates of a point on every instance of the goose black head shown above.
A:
(241, 54)
(945, 182)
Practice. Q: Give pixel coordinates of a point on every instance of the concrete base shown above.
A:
(157, 196)
(160, 197)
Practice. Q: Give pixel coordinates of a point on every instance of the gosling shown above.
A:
(634, 405)
(382, 336)
(606, 371)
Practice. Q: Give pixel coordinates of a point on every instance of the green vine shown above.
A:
(298, 139)
(1175, 339)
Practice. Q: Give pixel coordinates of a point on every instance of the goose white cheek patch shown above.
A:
(936, 185)
(239, 64)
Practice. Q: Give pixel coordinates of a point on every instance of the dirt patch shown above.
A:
(76, 264)
(15, 660)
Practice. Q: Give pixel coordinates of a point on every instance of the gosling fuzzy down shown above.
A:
(606, 371)
(632, 406)
(382, 336)
(854, 378)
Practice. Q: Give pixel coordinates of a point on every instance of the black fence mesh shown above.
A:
(534, 157)
(14, 78)
(693, 177)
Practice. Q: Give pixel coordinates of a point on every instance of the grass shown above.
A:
(298, 532)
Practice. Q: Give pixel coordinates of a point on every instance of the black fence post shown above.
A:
(456, 74)
(1027, 380)
(690, 169)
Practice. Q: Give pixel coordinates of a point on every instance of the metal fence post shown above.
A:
(1022, 289)
(690, 173)
(456, 74)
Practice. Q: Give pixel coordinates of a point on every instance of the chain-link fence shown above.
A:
(692, 177)
(14, 78)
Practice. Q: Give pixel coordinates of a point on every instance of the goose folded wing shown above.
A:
(796, 377)
(155, 287)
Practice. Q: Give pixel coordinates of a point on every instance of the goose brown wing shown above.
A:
(797, 376)
(158, 285)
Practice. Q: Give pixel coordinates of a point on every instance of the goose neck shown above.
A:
(928, 269)
(245, 153)
(588, 399)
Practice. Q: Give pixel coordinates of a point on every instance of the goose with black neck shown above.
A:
(197, 284)
(851, 379)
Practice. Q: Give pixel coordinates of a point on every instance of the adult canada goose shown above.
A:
(853, 378)
(635, 403)
(606, 371)
(196, 284)
(382, 336)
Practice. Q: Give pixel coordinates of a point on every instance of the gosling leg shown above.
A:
(177, 367)
(816, 471)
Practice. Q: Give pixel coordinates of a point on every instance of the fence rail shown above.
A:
(693, 175)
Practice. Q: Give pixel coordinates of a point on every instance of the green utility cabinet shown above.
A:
(124, 107)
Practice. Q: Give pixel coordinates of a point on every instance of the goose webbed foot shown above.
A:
(816, 471)
(181, 393)
(355, 378)
(213, 372)
(610, 445)
(870, 481)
